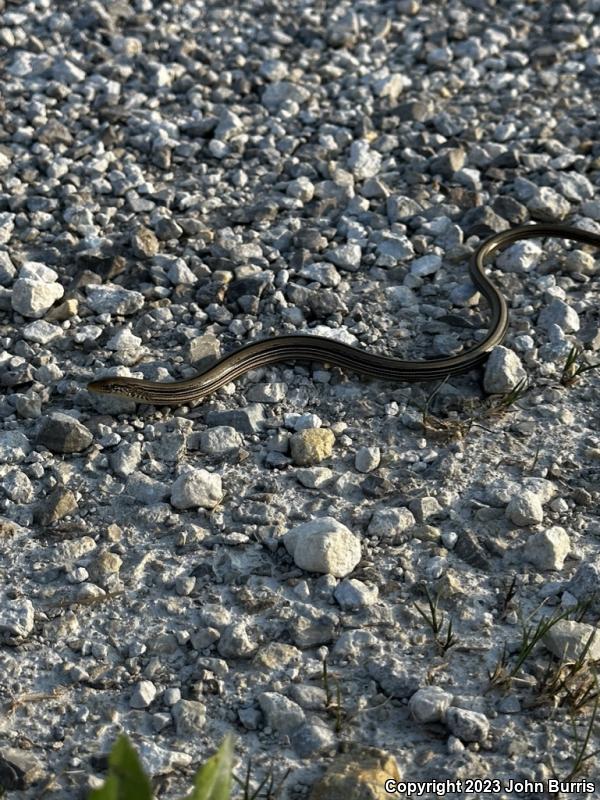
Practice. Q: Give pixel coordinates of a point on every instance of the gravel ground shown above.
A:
(179, 178)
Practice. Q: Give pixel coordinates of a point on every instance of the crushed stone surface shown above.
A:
(180, 178)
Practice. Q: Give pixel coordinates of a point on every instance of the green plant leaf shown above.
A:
(213, 779)
(126, 779)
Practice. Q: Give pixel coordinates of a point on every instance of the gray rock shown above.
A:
(250, 718)
(426, 265)
(26, 64)
(363, 161)
(388, 522)
(235, 642)
(189, 717)
(353, 594)
(509, 705)
(244, 420)
(125, 343)
(586, 584)
(54, 132)
(267, 392)
(393, 677)
(503, 371)
(575, 187)
(7, 225)
(401, 296)
(325, 274)
(423, 508)
(273, 69)
(197, 488)
(229, 124)
(125, 459)
(281, 91)
(309, 697)
(346, 256)
(220, 439)
(32, 298)
(561, 314)
(170, 447)
(548, 205)
(400, 207)
(509, 208)
(483, 221)
(7, 269)
(568, 638)
(314, 477)
(429, 704)
(505, 131)
(415, 110)
(344, 30)
(203, 351)
(180, 274)
(147, 490)
(367, 459)
(20, 769)
(62, 433)
(471, 178)
(449, 162)
(468, 726)
(591, 209)
(143, 695)
(312, 628)
(16, 620)
(17, 487)
(395, 248)
(281, 713)
(14, 447)
(548, 549)
(41, 332)
(60, 503)
(525, 509)
(520, 257)
(302, 188)
(67, 72)
(312, 739)
(323, 545)
(113, 299)
(166, 227)
(440, 57)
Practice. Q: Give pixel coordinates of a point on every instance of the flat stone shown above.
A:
(112, 299)
(244, 420)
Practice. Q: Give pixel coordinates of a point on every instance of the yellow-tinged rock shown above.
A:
(65, 310)
(106, 563)
(358, 776)
(311, 445)
(277, 655)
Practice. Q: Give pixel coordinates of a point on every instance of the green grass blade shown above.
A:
(126, 779)
(213, 780)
